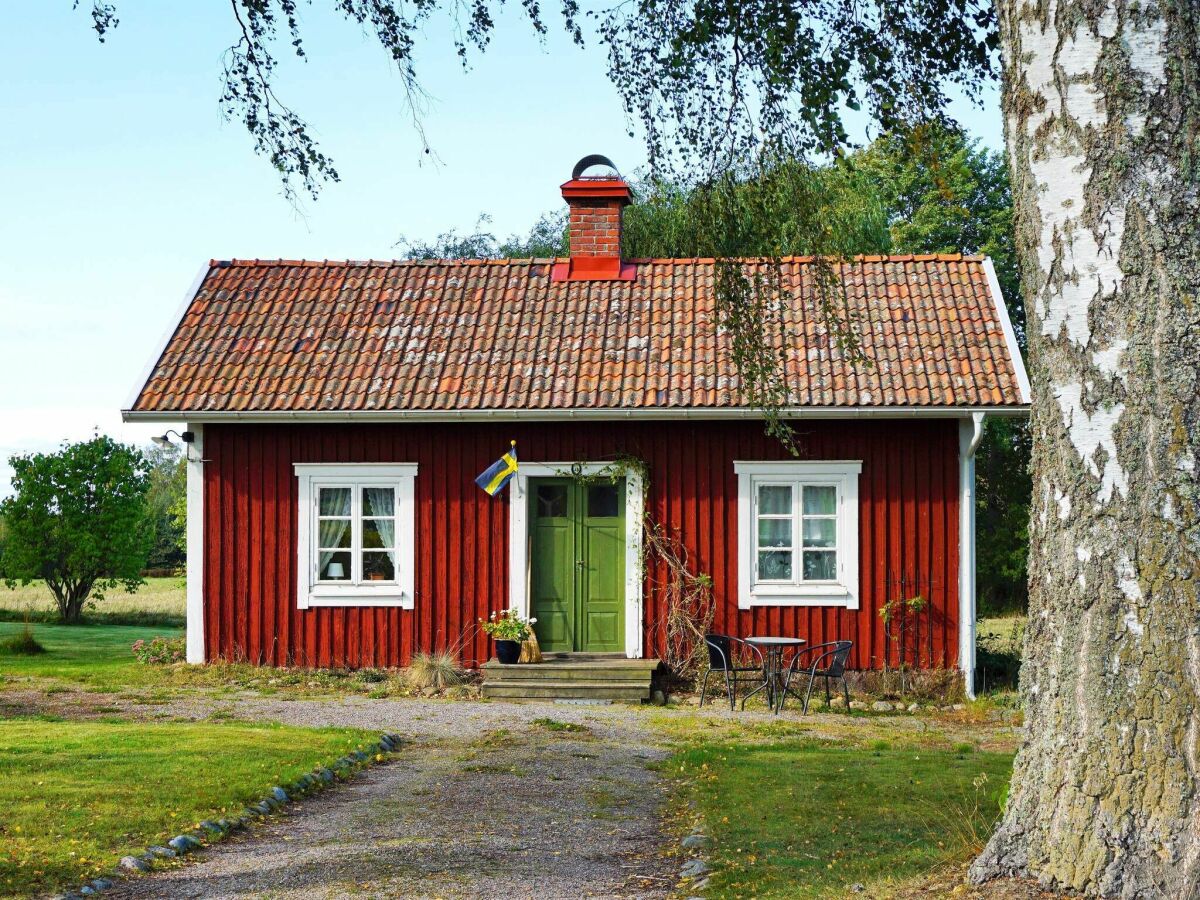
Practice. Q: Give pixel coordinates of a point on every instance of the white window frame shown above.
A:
(311, 592)
(518, 540)
(841, 474)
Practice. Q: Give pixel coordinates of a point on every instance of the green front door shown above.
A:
(577, 564)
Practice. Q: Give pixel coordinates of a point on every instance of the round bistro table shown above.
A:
(772, 649)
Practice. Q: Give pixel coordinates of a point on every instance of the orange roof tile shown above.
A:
(444, 336)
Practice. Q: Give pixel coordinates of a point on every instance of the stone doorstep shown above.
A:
(568, 690)
(536, 673)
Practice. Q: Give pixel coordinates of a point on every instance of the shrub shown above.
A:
(160, 651)
(438, 670)
(23, 643)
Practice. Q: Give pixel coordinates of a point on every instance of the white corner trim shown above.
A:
(970, 433)
(194, 534)
(518, 541)
(403, 592)
(843, 473)
(1010, 336)
(172, 327)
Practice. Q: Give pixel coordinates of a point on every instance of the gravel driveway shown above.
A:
(484, 802)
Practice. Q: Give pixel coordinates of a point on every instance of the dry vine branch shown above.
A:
(689, 603)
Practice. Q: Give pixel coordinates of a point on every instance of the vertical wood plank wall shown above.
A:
(908, 526)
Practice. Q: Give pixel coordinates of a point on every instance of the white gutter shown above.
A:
(970, 433)
(606, 414)
(195, 544)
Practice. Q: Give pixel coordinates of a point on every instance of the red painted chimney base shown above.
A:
(594, 268)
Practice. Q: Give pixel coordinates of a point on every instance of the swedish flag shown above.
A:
(497, 475)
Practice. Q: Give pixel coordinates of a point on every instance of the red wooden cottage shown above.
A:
(340, 411)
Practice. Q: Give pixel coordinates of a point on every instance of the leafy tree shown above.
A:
(77, 518)
(167, 494)
(547, 238)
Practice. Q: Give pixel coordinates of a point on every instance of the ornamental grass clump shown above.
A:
(507, 626)
(160, 651)
(435, 671)
(23, 643)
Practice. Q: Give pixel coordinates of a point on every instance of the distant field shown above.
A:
(1001, 628)
(159, 600)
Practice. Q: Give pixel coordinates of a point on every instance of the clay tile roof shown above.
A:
(452, 336)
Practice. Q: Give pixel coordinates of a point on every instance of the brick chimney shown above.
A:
(596, 203)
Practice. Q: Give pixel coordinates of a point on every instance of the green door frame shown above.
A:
(577, 545)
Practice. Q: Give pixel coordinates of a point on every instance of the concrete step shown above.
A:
(568, 690)
(573, 672)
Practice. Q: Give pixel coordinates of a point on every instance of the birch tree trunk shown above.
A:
(1101, 103)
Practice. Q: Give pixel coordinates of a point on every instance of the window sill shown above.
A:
(359, 597)
(800, 595)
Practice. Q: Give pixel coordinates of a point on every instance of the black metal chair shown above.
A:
(827, 661)
(723, 652)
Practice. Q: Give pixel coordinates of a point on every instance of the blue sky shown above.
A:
(120, 179)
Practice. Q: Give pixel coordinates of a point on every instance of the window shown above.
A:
(355, 534)
(797, 533)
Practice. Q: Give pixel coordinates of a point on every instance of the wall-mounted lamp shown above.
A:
(188, 437)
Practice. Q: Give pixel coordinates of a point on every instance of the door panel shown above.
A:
(577, 584)
(552, 566)
(603, 582)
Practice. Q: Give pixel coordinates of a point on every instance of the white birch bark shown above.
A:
(1102, 101)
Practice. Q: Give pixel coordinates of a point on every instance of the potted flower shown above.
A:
(507, 629)
(377, 568)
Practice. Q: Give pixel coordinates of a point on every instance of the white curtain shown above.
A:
(331, 532)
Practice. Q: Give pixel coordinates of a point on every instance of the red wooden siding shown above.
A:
(908, 524)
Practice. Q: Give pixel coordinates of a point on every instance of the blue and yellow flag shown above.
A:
(498, 474)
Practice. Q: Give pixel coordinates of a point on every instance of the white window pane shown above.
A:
(820, 532)
(378, 533)
(334, 566)
(774, 500)
(775, 532)
(378, 501)
(379, 566)
(775, 565)
(334, 502)
(333, 533)
(820, 565)
(820, 500)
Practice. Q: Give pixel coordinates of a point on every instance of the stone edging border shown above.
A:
(210, 831)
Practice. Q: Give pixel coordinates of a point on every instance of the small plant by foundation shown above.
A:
(437, 671)
(23, 643)
(160, 651)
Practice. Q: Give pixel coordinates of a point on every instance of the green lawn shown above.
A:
(96, 656)
(160, 601)
(77, 796)
(800, 819)
(98, 659)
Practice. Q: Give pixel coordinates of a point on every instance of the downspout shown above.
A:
(970, 433)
